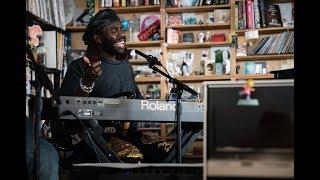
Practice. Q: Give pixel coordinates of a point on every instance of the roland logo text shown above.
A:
(157, 106)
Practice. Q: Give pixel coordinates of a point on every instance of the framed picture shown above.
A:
(249, 68)
(260, 68)
(221, 55)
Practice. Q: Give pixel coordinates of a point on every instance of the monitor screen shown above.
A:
(266, 126)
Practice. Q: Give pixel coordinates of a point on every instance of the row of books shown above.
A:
(255, 14)
(125, 3)
(282, 43)
(50, 11)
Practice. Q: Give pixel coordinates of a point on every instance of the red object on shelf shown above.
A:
(218, 37)
(153, 28)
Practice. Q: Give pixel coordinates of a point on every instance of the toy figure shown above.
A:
(247, 89)
(201, 37)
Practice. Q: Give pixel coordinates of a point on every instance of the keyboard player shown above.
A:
(104, 71)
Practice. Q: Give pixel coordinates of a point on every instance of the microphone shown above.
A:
(151, 59)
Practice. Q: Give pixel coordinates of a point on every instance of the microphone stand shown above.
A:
(178, 88)
(41, 80)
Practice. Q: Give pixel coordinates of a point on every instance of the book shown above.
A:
(273, 16)
(241, 21)
(263, 8)
(256, 14)
(236, 16)
(260, 68)
(287, 16)
(249, 68)
(249, 14)
(242, 49)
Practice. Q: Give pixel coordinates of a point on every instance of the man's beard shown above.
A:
(108, 46)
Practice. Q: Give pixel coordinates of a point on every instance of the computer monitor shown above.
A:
(267, 127)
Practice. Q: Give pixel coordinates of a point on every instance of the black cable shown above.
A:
(86, 131)
(165, 69)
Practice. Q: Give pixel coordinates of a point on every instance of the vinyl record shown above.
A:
(187, 3)
(69, 7)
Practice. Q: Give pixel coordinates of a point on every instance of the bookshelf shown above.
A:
(197, 47)
(272, 56)
(51, 46)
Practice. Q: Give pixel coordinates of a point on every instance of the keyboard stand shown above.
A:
(99, 145)
(188, 137)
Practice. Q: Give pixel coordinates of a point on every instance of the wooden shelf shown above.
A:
(193, 27)
(200, 78)
(254, 76)
(197, 45)
(143, 44)
(138, 62)
(147, 80)
(265, 57)
(134, 9)
(196, 8)
(266, 30)
(76, 28)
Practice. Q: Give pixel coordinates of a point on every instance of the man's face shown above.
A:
(112, 39)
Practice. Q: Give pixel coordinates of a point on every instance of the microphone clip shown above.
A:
(151, 59)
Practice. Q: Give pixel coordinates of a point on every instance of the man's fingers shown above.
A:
(96, 64)
(86, 60)
(96, 69)
(99, 72)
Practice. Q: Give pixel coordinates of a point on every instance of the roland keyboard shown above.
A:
(128, 109)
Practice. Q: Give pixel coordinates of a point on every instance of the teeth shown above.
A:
(121, 42)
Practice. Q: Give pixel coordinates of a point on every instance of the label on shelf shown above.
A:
(252, 34)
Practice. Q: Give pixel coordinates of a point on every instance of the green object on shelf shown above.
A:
(219, 56)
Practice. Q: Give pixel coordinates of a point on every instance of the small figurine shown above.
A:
(208, 36)
(200, 37)
(234, 41)
(247, 89)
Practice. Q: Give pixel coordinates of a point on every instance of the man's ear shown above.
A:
(96, 39)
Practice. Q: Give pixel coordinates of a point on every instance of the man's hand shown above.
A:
(93, 71)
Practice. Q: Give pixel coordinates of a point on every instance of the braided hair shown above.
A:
(103, 18)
